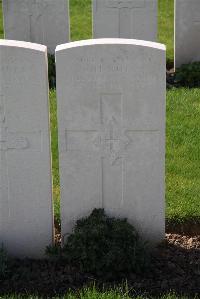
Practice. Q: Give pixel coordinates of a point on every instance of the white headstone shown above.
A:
(125, 19)
(111, 111)
(38, 21)
(187, 31)
(26, 220)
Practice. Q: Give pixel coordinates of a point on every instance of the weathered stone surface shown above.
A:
(111, 111)
(187, 31)
(125, 19)
(38, 21)
(26, 220)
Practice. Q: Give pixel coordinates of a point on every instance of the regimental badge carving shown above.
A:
(112, 140)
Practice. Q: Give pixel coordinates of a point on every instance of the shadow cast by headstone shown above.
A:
(175, 267)
(189, 226)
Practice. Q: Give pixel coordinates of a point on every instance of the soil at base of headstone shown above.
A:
(175, 268)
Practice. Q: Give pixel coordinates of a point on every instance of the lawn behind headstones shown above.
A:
(183, 155)
(183, 113)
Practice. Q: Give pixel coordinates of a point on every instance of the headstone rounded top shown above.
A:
(21, 44)
(111, 41)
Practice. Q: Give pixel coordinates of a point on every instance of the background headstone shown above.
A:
(38, 21)
(26, 220)
(187, 31)
(111, 114)
(125, 19)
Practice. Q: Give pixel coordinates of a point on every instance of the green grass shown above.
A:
(183, 154)
(166, 27)
(93, 293)
(81, 19)
(1, 21)
(54, 148)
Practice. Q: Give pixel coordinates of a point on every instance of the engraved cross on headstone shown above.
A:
(34, 10)
(10, 141)
(112, 140)
(125, 6)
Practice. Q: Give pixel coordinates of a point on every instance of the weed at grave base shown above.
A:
(187, 75)
(108, 248)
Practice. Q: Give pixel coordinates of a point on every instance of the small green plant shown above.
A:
(54, 251)
(51, 71)
(188, 75)
(3, 263)
(106, 247)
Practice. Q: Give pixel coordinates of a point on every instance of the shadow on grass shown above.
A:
(169, 64)
(173, 269)
(188, 226)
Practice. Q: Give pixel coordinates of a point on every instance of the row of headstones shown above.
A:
(111, 120)
(47, 22)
